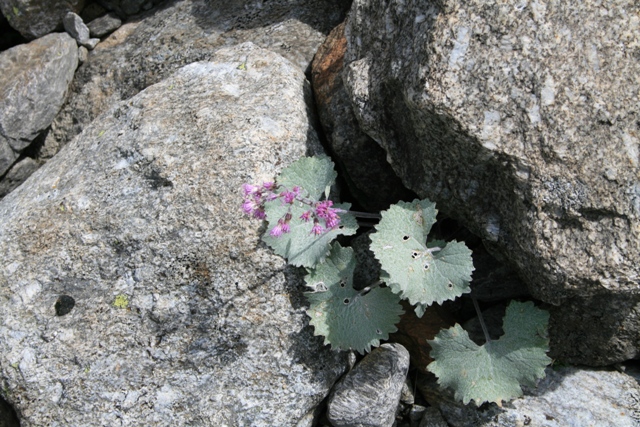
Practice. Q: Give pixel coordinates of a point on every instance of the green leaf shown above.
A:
(313, 174)
(494, 371)
(420, 272)
(300, 246)
(347, 318)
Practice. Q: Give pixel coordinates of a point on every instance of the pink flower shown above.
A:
(306, 216)
(322, 208)
(285, 223)
(281, 227)
(289, 196)
(268, 185)
(329, 214)
(333, 221)
(317, 229)
(249, 189)
(249, 206)
(277, 230)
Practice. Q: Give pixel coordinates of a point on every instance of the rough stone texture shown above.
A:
(7, 156)
(362, 162)
(83, 54)
(180, 32)
(596, 330)
(368, 395)
(91, 43)
(520, 119)
(76, 28)
(33, 84)
(182, 316)
(104, 25)
(18, 173)
(567, 397)
(36, 18)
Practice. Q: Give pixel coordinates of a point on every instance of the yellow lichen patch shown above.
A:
(121, 301)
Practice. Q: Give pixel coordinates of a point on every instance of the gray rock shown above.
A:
(76, 28)
(104, 25)
(368, 395)
(567, 397)
(34, 81)
(83, 54)
(519, 120)
(180, 32)
(91, 43)
(36, 18)
(181, 316)
(416, 413)
(18, 173)
(407, 394)
(7, 155)
(595, 330)
(361, 161)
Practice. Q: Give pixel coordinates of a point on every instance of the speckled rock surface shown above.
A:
(361, 161)
(148, 49)
(520, 119)
(132, 290)
(104, 25)
(18, 173)
(36, 18)
(33, 84)
(76, 28)
(567, 397)
(368, 395)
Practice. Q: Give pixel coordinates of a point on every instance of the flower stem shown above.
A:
(365, 214)
(482, 324)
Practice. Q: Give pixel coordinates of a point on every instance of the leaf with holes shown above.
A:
(347, 318)
(494, 371)
(301, 246)
(420, 272)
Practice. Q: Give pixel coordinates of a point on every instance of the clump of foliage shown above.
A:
(302, 225)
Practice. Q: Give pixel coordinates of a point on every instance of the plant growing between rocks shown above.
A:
(302, 223)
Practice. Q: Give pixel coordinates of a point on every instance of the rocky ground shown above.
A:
(133, 291)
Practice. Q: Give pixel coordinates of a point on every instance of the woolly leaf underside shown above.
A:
(420, 272)
(494, 371)
(347, 318)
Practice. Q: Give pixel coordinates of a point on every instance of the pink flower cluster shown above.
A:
(321, 212)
